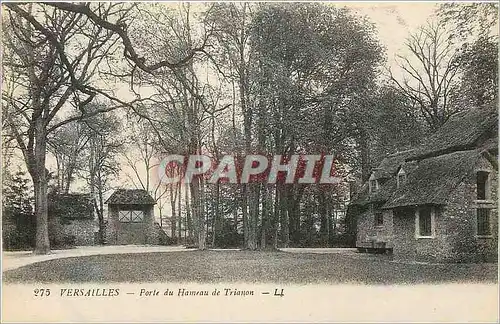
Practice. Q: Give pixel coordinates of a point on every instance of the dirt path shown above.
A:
(14, 260)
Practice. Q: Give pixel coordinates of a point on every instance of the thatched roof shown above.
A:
(130, 197)
(436, 166)
(464, 131)
(364, 197)
(385, 171)
(390, 164)
(434, 179)
(70, 206)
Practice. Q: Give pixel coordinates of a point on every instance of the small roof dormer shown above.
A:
(400, 177)
(373, 183)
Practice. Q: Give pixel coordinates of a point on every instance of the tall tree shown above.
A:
(66, 145)
(312, 64)
(470, 18)
(477, 30)
(54, 49)
(43, 86)
(430, 73)
(370, 119)
(232, 30)
(181, 97)
(101, 152)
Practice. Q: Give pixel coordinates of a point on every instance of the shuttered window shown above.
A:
(425, 222)
(483, 222)
(137, 216)
(482, 185)
(130, 216)
(379, 218)
(124, 216)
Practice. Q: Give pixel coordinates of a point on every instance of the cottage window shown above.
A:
(401, 179)
(379, 218)
(425, 222)
(124, 216)
(137, 216)
(482, 178)
(130, 216)
(483, 222)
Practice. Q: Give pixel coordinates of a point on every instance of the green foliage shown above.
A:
(473, 18)
(70, 206)
(228, 237)
(18, 221)
(392, 124)
(476, 26)
(313, 64)
(479, 62)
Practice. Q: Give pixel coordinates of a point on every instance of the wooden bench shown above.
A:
(374, 247)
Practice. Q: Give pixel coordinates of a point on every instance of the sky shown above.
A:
(394, 22)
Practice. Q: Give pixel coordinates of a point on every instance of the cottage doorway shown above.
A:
(132, 228)
(132, 234)
(404, 233)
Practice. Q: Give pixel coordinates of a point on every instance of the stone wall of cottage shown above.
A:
(368, 232)
(118, 233)
(410, 247)
(464, 243)
(456, 237)
(72, 231)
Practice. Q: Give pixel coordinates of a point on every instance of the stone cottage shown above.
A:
(71, 220)
(437, 202)
(131, 218)
(374, 230)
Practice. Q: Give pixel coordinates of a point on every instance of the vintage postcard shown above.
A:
(250, 162)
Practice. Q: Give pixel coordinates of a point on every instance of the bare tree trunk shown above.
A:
(253, 216)
(244, 209)
(67, 184)
(284, 218)
(39, 176)
(310, 228)
(189, 219)
(249, 217)
(328, 222)
(217, 221)
(179, 229)
(267, 215)
(100, 214)
(198, 215)
(276, 216)
(173, 220)
(323, 217)
(334, 219)
(294, 196)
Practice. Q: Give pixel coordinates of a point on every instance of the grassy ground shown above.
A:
(246, 266)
